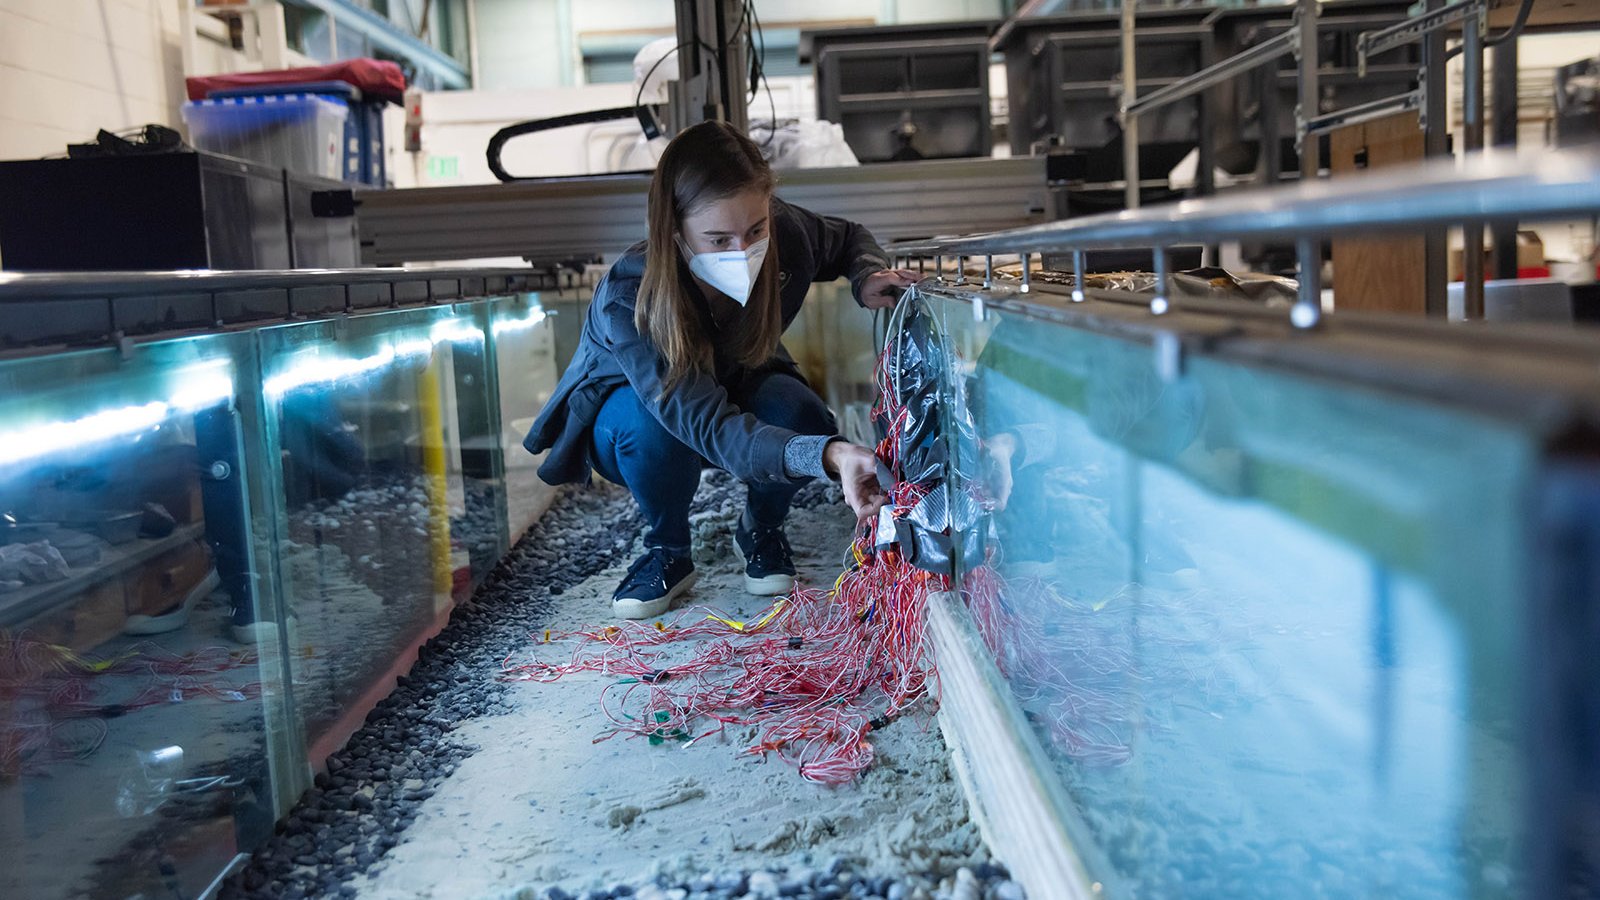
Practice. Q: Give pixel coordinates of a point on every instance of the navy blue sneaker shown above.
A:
(768, 561)
(652, 583)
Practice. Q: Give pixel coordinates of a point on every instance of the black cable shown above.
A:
(498, 142)
(758, 62)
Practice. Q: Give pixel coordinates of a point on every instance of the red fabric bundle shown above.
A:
(378, 79)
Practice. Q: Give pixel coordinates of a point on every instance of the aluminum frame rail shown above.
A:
(1364, 112)
(1371, 43)
(1562, 184)
(1299, 41)
(1271, 50)
(560, 219)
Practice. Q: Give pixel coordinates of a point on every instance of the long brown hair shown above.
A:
(703, 164)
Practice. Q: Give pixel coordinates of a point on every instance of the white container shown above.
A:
(303, 133)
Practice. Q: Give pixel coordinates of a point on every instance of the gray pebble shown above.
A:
(1008, 890)
(763, 884)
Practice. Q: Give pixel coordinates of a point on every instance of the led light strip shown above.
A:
(507, 326)
(202, 386)
(314, 369)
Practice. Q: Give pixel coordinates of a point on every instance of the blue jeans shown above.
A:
(631, 448)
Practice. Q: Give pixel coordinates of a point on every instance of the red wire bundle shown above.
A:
(1073, 682)
(814, 676)
(49, 693)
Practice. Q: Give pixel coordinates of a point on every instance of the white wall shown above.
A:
(71, 67)
(519, 44)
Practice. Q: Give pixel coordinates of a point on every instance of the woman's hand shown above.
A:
(882, 289)
(857, 471)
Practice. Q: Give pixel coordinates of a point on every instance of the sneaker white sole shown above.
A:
(630, 608)
(766, 585)
(264, 634)
(179, 617)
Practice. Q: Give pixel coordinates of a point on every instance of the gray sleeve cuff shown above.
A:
(802, 455)
(865, 268)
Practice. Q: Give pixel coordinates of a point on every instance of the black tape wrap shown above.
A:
(918, 358)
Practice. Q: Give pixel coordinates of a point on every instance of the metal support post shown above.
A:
(1267, 124)
(1472, 114)
(1307, 311)
(988, 272)
(1504, 99)
(1130, 123)
(1310, 94)
(961, 269)
(1436, 143)
(1159, 305)
(1080, 270)
(1025, 283)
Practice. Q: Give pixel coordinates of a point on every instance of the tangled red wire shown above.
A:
(56, 700)
(814, 675)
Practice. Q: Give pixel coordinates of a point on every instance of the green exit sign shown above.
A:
(444, 167)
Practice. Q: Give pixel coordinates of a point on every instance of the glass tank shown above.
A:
(133, 752)
(217, 552)
(1266, 627)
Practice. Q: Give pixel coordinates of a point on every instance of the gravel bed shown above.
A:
(361, 807)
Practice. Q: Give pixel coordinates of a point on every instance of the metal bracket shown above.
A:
(1422, 99)
(1371, 43)
(1363, 112)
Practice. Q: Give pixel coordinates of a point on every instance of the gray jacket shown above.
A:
(698, 412)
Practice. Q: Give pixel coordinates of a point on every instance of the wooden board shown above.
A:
(1382, 274)
(1546, 13)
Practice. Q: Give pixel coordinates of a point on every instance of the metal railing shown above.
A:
(54, 309)
(1560, 185)
(1301, 42)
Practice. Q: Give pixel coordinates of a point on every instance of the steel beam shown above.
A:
(1472, 114)
(1130, 123)
(1504, 98)
(559, 219)
(1305, 24)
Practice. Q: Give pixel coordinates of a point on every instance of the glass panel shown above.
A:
(832, 341)
(371, 481)
(134, 719)
(470, 403)
(1265, 625)
(528, 367)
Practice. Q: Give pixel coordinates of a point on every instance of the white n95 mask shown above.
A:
(732, 272)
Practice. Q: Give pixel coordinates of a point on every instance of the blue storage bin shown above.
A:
(303, 133)
(363, 157)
